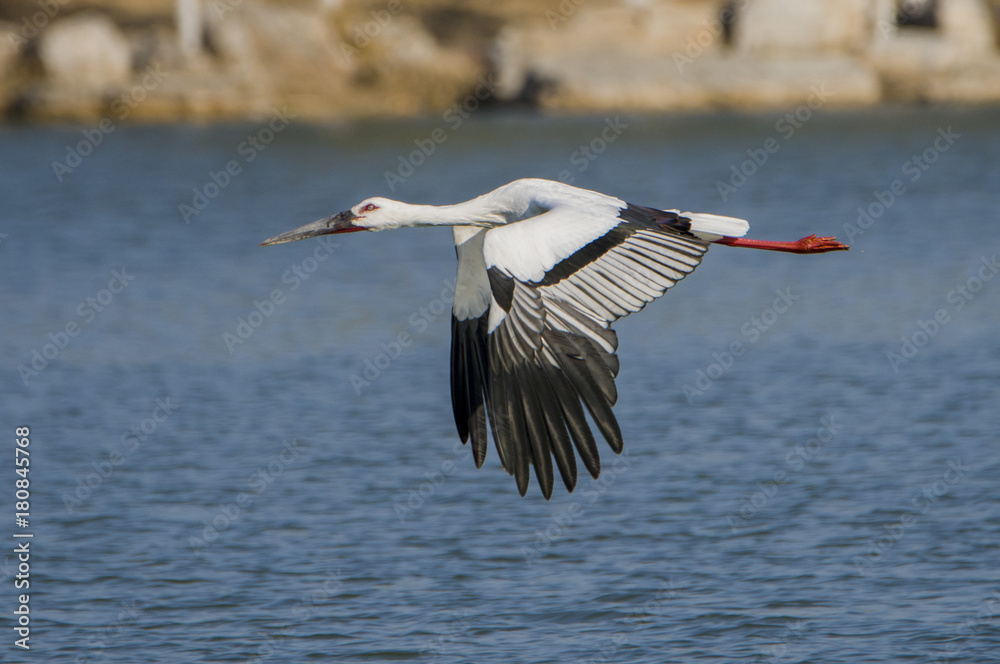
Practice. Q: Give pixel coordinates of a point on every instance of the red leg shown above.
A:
(807, 245)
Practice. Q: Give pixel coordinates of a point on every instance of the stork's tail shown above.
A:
(711, 227)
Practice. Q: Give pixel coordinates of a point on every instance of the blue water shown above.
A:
(798, 483)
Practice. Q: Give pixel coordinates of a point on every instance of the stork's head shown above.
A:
(371, 214)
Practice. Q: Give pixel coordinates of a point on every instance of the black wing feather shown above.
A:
(469, 382)
(555, 421)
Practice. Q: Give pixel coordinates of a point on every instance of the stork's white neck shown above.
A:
(512, 202)
(469, 213)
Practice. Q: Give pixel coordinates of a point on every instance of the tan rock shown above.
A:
(957, 62)
(631, 28)
(828, 80)
(404, 41)
(605, 83)
(802, 26)
(86, 53)
(674, 59)
(975, 84)
(968, 25)
(421, 74)
(341, 58)
(566, 41)
(277, 49)
(11, 45)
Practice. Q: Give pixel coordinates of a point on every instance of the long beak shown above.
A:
(338, 223)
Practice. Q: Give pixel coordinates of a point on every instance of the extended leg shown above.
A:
(807, 245)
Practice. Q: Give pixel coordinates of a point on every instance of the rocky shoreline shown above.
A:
(209, 60)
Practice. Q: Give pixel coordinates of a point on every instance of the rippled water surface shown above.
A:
(233, 460)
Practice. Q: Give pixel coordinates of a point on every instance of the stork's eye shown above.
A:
(371, 207)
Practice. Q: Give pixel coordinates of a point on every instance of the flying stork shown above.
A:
(544, 269)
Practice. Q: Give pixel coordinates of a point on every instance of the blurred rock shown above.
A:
(288, 54)
(956, 62)
(120, 11)
(976, 84)
(413, 71)
(819, 81)
(85, 53)
(622, 83)
(189, 22)
(10, 52)
(155, 43)
(327, 59)
(10, 47)
(802, 26)
(676, 58)
(968, 25)
(561, 45)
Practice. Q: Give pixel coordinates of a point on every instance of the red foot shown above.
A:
(807, 245)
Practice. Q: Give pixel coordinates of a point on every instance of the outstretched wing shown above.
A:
(557, 282)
